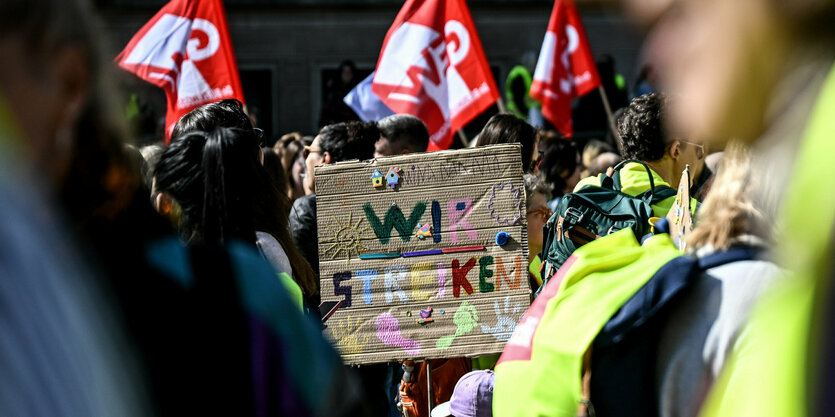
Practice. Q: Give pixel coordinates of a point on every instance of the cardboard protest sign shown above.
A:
(409, 244)
(679, 216)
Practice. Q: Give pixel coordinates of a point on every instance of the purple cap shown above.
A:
(473, 396)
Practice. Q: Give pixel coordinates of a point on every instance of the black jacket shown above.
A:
(304, 230)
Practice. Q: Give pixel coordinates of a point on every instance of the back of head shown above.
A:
(288, 148)
(739, 203)
(507, 128)
(642, 128)
(559, 161)
(214, 177)
(593, 148)
(208, 117)
(404, 132)
(535, 184)
(349, 140)
(602, 162)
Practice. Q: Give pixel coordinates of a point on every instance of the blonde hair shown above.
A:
(736, 204)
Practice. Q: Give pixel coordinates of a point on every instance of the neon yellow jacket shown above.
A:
(634, 180)
(768, 373)
(540, 369)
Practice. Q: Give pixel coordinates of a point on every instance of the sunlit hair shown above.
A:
(223, 113)
(349, 140)
(535, 184)
(507, 128)
(289, 148)
(736, 204)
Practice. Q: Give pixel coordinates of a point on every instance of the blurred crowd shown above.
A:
(182, 279)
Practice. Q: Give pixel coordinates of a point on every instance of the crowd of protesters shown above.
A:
(183, 279)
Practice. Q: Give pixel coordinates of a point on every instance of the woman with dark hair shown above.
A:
(507, 128)
(561, 166)
(290, 148)
(226, 113)
(224, 193)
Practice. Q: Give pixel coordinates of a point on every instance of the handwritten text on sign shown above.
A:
(409, 245)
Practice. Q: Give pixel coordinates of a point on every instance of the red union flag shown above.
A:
(565, 68)
(185, 50)
(432, 66)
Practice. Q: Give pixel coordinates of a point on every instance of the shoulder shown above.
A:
(303, 207)
(593, 181)
(273, 252)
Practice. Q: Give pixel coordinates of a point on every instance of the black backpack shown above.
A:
(594, 212)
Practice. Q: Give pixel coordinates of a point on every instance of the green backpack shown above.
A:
(593, 212)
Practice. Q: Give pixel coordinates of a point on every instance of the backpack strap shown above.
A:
(658, 194)
(733, 254)
(618, 186)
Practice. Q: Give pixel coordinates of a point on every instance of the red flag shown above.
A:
(565, 68)
(185, 50)
(433, 67)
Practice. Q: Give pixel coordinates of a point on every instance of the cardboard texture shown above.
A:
(679, 217)
(466, 197)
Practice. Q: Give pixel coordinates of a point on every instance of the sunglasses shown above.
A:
(309, 150)
(543, 212)
(700, 149)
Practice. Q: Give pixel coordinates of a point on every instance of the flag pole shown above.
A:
(609, 115)
(500, 103)
(463, 137)
(429, 390)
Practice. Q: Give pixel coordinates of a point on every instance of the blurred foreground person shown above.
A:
(702, 328)
(63, 349)
(62, 354)
(762, 71)
(196, 343)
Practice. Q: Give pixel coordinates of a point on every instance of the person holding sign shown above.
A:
(334, 143)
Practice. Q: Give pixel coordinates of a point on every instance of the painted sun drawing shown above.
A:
(347, 237)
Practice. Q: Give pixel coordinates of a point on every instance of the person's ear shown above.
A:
(675, 149)
(163, 204)
(326, 158)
